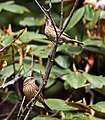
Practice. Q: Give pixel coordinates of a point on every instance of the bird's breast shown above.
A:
(29, 91)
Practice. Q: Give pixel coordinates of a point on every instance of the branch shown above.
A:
(50, 61)
(70, 16)
(12, 82)
(26, 117)
(21, 108)
(61, 18)
(41, 8)
(51, 56)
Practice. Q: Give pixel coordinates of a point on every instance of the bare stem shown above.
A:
(51, 55)
(61, 18)
(70, 16)
(41, 8)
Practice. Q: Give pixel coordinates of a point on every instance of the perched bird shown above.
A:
(51, 34)
(30, 89)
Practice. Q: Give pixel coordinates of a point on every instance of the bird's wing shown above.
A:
(66, 35)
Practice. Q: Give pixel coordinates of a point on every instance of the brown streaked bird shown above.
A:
(51, 34)
(30, 89)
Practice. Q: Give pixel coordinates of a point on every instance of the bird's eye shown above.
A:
(31, 78)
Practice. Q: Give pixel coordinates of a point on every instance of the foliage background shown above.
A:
(78, 71)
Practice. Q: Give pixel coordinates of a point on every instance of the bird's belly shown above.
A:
(29, 91)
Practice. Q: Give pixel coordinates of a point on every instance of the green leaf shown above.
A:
(41, 51)
(91, 16)
(102, 14)
(5, 3)
(70, 49)
(8, 2)
(28, 36)
(96, 81)
(76, 50)
(7, 40)
(74, 79)
(63, 61)
(80, 116)
(90, 25)
(38, 68)
(58, 71)
(95, 50)
(79, 105)
(77, 116)
(96, 16)
(45, 118)
(28, 21)
(89, 13)
(15, 8)
(100, 106)
(57, 104)
(76, 18)
(31, 21)
(62, 47)
(1, 7)
(90, 42)
(8, 71)
(91, 117)
(51, 81)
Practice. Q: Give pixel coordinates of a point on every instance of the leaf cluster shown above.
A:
(76, 68)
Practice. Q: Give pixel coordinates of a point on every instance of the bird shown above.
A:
(51, 34)
(30, 89)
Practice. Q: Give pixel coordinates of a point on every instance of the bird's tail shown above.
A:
(46, 106)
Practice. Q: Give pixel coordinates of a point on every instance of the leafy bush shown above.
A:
(77, 72)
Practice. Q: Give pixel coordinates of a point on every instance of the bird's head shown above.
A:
(29, 80)
(48, 22)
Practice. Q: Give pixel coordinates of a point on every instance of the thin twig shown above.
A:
(50, 61)
(70, 16)
(50, 17)
(45, 77)
(32, 64)
(61, 18)
(50, 4)
(30, 103)
(21, 108)
(17, 83)
(41, 8)
(54, 26)
(20, 115)
(12, 82)
(4, 85)
(12, 41)
(27, 107)
(13, 61)
(91, 97)
(29, 111)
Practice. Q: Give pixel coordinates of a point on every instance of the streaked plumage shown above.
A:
(51, 34)
(30, 89)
